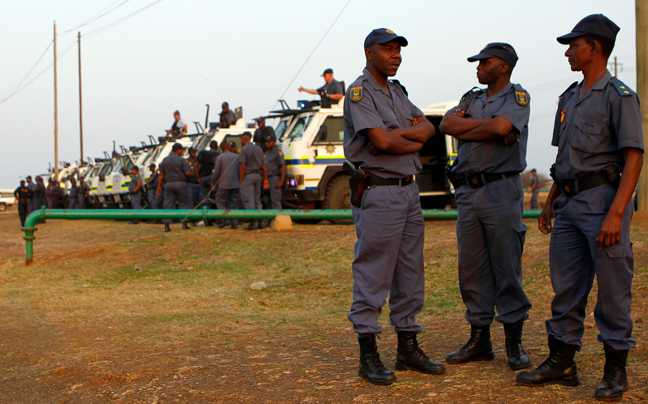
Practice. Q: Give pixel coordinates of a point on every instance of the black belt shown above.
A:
(480, 179)
(375, 181)
(254, 172)
(573, 187)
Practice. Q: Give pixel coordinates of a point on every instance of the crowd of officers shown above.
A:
(32, 195)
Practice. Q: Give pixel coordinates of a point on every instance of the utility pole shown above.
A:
(80, 102)
(56, 159)
(615, 64)
(641, 15)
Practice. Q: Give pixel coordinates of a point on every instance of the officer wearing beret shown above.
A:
(492, 126)
(73, 196)
(276, 166)
(252, 166)
(331, 92)
(179, 127)
(598, 132)
(135, 190)
(534, 189)
(23, 195)
(227, 177)
(383, 133)
(174, 171)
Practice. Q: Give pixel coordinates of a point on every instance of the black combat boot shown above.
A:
(411, 357)
(224, 223)
(251, 226)
(615, 381)
(517, 356)
(371, 367)
(185, 226)
(559, 367)
(478, 347)
(262, 224)
(167, 227)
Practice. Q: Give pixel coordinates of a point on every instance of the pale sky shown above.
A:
(183, 54)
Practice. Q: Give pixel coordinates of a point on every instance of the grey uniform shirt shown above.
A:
(274, 159)
(135, 178)
(227, 171)
(591, 132)
(252, 156)
(174, 168)
(512, 104)
(368, 106)
(74, 192)
(535, 181)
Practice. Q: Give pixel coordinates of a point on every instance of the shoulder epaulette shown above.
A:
(402, 86)
(620, 86)
(475, 90)
(574, 84)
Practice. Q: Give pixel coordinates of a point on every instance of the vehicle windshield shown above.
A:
(281, 128)
(299, 128)
(152, 155)
(127, 162)
(105, 168)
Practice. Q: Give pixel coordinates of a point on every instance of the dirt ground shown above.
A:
(119, 313)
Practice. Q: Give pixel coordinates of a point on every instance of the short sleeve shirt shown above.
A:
(592, 131)
(535, 181)
(274, 159)
(512, 104)
(135, 179)
(252, 156)
(367, 105)
(174, 168)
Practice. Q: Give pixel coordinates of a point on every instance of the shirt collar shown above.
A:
(599, 85)
(372, 80)
(501, 94)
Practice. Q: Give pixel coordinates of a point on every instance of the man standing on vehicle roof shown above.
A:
(382, 135)
(179, 127)
(492, 128)
(73, 196)
(227, 176)
(32, 186)
(252, 164)
(227, 117)
(135, 190)
(598, 132)
(262, 132)
(174, 171)
(24, 196)
(331, 92)
(276, 165)
(84, 191)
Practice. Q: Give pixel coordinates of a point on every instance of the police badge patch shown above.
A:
(562, 115)
(521, 98)
(356, 93)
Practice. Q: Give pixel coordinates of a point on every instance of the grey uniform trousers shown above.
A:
(136, 200)
(275, 193)
(534, 199)
(176, 192)
(388, 258)
(575, 259)
(194, 192)
(490, 238)
(227, 199)
(73, 203)
(205, 190)
(251, 191)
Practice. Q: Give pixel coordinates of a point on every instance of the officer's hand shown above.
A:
(511, 138)
(459, 112)
(301, 89)
(373, 149)
(266, 184)
(610, 231)
(159, 191)
(544, 220)
(279, 185)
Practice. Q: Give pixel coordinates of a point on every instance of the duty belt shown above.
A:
(480, 179)
(593, 180)
(375, 181)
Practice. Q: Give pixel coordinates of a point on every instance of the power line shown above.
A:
(97, 16)
(119, 21)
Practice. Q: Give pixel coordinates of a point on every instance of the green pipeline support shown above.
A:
(200, 214)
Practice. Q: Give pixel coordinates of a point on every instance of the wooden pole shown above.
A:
(56, 159)
(80, 102)
(641, 15)
(616, 74)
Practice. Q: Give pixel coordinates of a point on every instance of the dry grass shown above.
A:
(112, 312)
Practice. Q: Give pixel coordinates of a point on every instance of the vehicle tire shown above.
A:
(338, 196)
(3, 206)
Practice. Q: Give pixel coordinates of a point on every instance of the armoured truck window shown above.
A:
(281, 128)
(299, 128)
(332, 131)
(126, 162)
(105, 169)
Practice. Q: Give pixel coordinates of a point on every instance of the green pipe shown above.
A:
(204, 214)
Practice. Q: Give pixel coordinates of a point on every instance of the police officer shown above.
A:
(252, 165)
(151, 186)
(331, 92)
(84, 190)
(32, 186)
(492, 128)
(194, 184)
(534, 189)
(135, 190)
(174, 171)
(598, 132)
(262, 132)
(227, 116)
(276, 165)
(24, 195)
(73, 196)
(205, 163)
(383, 133)
(179, 127)
(227, 177)
(40, 193)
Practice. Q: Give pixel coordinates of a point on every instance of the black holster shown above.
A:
(357, 179)
(451, 177)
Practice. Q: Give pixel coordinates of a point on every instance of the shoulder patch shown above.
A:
(522, 97)
(355, 93)
(401, 86)
(280, 153)
(574, 84)
(621, 88)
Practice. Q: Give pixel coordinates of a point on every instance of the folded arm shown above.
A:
(391, 142)
(420, 131)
